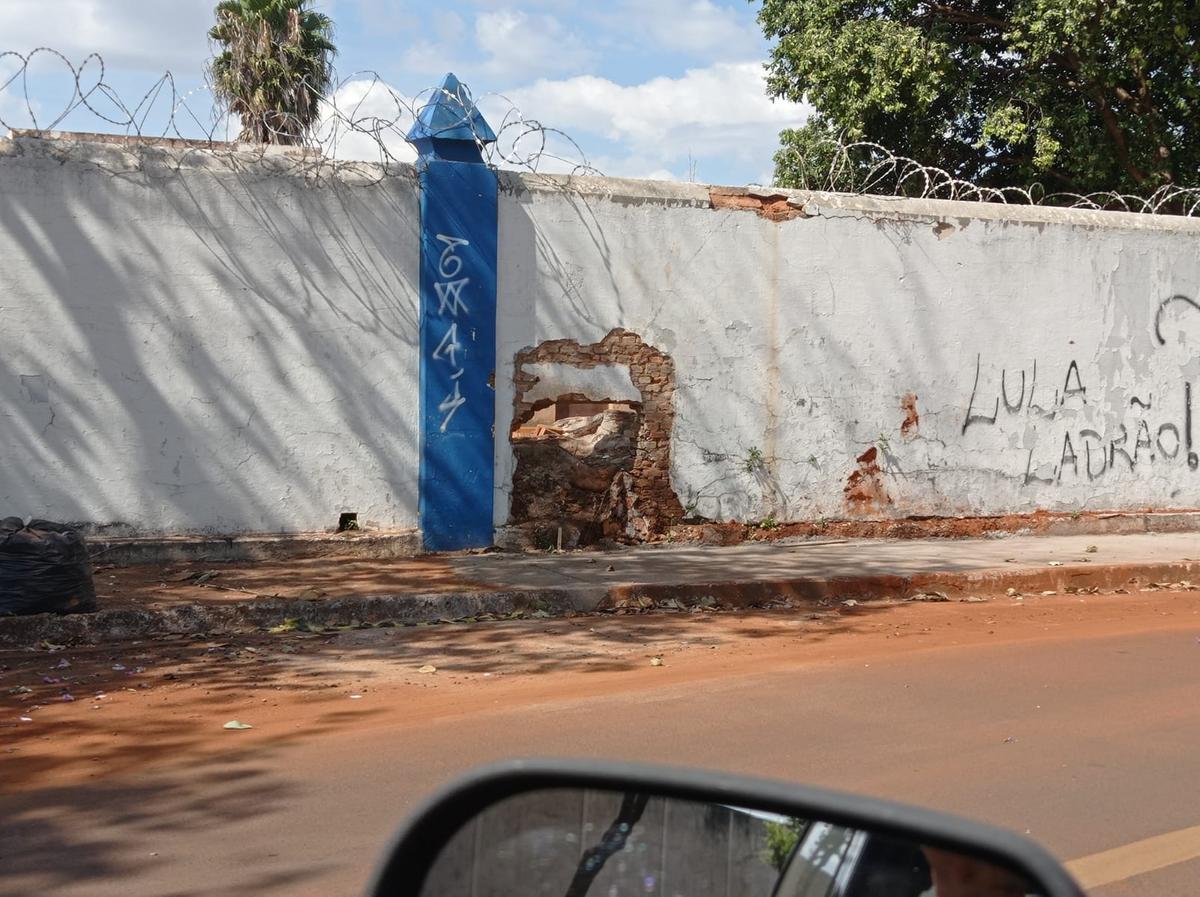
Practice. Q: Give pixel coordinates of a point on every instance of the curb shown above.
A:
(985, 582)
(383, 545)
(125, 552)
(243, 616)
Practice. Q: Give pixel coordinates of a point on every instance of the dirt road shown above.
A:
(1072, 717)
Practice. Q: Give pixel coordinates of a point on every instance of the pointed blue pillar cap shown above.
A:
(449, 126)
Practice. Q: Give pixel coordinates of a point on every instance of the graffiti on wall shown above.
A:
(449, 288)
(1152, 429)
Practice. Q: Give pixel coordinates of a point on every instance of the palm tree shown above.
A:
(275, 63)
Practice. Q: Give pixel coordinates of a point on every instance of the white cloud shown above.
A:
(393, 19)
(448, 24)
(427, 57)
(137, 41)
(367, 120)
(711, 116)
(140, 34)
(694, 26)
(510, 45)
(719, 112)
(11, 103)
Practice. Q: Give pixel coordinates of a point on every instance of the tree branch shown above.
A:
(964, 17)
(613, 840)
(1108, 117)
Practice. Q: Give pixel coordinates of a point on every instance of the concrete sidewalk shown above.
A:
(187, 597)
(813, 567)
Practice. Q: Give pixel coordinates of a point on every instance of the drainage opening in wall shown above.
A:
(591, 441)
(347, 521)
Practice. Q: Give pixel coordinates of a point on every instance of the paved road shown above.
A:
(1073, 719)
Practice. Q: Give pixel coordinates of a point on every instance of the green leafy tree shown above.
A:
(781, 839)
(1078, 95)
(275, 62)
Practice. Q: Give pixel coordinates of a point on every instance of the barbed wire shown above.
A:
(863, 167)
(360, 118)
(363, 119)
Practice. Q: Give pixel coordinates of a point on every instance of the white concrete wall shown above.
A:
(798, 343)
(192, 343)
(199, 343)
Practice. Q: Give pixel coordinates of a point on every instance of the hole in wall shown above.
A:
(549, 415)
(569, 458)
(347, 521)
(591, 443)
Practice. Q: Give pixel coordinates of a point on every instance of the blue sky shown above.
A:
(665, 89)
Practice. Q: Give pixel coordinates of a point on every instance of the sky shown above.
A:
(669, 89)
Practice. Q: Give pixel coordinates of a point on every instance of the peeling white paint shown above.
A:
(795, 344)
(189, 345)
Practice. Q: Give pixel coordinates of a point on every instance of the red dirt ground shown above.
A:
(145, 702)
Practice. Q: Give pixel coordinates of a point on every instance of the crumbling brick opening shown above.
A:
(591, 437)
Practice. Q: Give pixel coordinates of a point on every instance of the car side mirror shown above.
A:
(575, 829)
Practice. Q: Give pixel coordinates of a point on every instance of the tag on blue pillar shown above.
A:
(458, 324)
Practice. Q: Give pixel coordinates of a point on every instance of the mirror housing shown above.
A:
(419, 843)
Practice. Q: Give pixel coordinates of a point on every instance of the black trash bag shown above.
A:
(44, 568)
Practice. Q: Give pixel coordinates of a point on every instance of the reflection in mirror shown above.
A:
(593, 843)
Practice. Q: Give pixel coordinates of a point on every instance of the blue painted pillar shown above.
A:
(458, 321)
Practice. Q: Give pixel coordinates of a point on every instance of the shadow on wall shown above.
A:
(814, 376)
(196, 345)
(598, 264)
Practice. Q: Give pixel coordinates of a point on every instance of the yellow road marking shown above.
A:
(1137, 858)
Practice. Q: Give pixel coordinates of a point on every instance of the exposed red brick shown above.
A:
(908, 405)
(774, 207)
(648, 493)
(864, 488)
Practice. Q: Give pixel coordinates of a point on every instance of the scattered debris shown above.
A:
(972, 599)
(849, 602)
(1054, 563)
(929, 596)
(428, 668)
(237, 724)
(633, 604)
(656, 661)
(1011, 592)
(1091, 549)
(291, 624)
(1010, 740)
